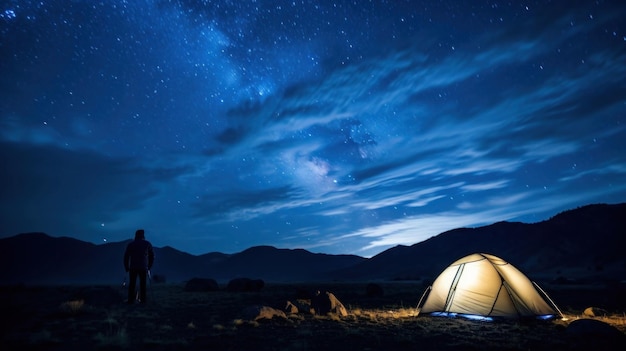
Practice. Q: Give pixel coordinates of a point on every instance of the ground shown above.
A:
(96, 318)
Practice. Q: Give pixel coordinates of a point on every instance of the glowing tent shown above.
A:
(486, 286)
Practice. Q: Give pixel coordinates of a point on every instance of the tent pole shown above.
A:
(419, 304)
(549, 299)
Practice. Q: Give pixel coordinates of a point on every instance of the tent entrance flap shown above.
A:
(453, 287)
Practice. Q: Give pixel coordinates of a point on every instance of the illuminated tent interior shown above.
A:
(485, 286)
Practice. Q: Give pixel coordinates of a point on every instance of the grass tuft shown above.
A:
(72, 307)
(118, 338)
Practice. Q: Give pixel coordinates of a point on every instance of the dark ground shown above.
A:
(53, 318)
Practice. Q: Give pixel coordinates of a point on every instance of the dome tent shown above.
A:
(487, 286)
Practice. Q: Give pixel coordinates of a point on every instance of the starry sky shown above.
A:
(340, 127)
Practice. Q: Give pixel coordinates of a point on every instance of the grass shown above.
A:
(45, 317)
(72, 307)
(116, 338)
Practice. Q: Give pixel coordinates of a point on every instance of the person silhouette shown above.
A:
(138, 260)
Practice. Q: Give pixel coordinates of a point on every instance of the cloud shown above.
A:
(46, 188)
(490, 185)
(234, 205)
(365, 138)
(18, 130)
(612, 170)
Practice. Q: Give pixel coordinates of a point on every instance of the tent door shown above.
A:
(453, 286)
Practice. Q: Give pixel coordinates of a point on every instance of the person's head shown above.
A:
(139, 234)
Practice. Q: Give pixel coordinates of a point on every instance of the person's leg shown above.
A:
(132, 284)
(143, 274)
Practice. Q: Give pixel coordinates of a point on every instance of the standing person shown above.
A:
(138, 260)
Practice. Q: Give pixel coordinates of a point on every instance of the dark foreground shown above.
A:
(96, 318)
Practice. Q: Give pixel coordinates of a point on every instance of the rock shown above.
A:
(254, 313)
(290, 308)
(595, 335)
(326, 302)
(594, 312)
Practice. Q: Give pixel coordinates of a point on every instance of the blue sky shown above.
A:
(337, 127)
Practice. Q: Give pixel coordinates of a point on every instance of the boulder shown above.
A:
(290, 308)
(302, 305)
(326, 302)
(593, 334)
(594, 312)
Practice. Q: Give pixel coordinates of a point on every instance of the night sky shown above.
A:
(333, 126)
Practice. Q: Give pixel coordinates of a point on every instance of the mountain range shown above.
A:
(586, 243)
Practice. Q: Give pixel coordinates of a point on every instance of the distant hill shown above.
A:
(39, 259)
(583, 243)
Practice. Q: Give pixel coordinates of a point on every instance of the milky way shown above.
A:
(338, 127)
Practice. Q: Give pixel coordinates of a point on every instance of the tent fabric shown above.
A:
(485, 285)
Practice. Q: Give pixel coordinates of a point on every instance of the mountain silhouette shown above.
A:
(39, 259)
(583, 243)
